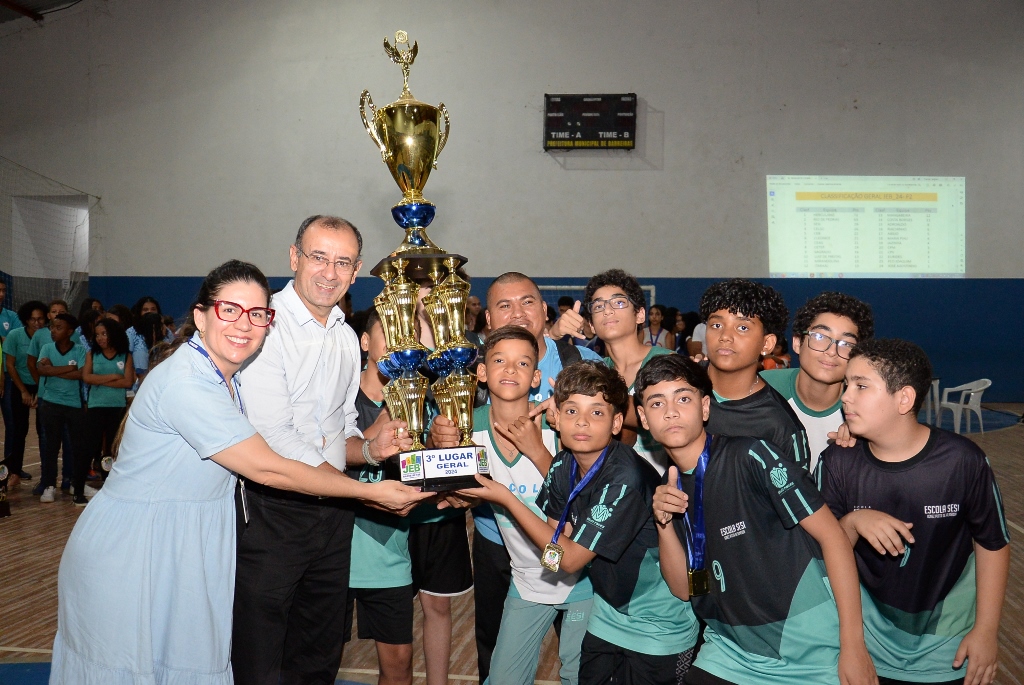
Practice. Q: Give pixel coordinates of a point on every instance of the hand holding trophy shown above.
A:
(409, 135)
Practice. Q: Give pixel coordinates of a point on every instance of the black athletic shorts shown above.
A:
(440, 557)
(893, 681)
(602, 662)
(384, 614)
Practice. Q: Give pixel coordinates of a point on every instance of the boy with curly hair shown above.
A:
(744, 320)
(925, 516)
(597, 498)
(825, 330)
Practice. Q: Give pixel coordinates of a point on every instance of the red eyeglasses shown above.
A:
(232, 311)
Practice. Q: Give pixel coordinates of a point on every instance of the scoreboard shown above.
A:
(576, 122)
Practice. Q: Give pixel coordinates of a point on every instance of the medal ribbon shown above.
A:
(575, 490)
(695, 535)
(195, 346)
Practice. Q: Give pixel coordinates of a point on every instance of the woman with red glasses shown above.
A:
(146, 582)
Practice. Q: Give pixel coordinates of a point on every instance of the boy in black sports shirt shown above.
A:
(744, 320)
(923, 511)
(779, 608)
(597, 498)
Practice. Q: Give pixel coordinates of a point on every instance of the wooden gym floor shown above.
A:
(32, 539)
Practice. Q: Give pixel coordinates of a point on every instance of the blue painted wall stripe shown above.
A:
(956, 321)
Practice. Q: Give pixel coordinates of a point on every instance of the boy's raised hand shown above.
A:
(570, 323)
(444, 432)
(488, 490)
(980, 650)
(883, 532)
(547, 407)
(669, 499)
(525, 434)
(842, 436)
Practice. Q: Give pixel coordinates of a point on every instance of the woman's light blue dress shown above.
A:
(146, 582)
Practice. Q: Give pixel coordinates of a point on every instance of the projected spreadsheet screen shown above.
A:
(866, 227)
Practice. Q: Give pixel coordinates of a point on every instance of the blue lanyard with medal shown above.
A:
(696, 539)
(241, 408)
(551, 558)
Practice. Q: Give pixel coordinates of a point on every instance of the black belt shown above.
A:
(267, 491)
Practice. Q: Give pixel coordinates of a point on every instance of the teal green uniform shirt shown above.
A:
(55, 389)
(16, 345)
(42, 337)
(9, 322)
(102, 395)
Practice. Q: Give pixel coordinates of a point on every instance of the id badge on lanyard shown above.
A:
(696, 539)
(241, 408)
(551, 557)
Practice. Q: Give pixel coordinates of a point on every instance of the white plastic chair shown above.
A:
(970, 400)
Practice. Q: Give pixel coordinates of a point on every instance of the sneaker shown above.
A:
(89, 490)
(65, 485)
(92, 475)
(47, 495)
(25, 475)
(80, 501)
(38, 490)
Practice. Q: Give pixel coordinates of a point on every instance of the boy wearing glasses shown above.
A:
(744, 319)
(614, 303)
(825, 330)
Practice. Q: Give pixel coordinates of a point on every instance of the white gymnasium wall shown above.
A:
(210, 129)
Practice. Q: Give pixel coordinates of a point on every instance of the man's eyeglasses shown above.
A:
(819, 342)
(342, 266)
(597, 306)
(231, 312)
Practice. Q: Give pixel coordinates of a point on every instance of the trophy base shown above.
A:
(420, 264)
(443, 469)
(449, 484)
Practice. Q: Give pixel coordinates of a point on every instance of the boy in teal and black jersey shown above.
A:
(746, 538)
(380, 574)
(923, 510)
(744, 320)
(825, 329)
(597, 500)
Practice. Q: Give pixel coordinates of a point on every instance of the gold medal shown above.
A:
(551, 559)
(699, 580)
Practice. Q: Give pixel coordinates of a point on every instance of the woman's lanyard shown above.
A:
(696, 538)
(654, 338)
(551, 558)
(200, 350)
(241, 408)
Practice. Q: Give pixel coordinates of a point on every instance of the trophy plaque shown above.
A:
(410, 136)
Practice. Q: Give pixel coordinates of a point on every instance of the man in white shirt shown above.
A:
(294, 550)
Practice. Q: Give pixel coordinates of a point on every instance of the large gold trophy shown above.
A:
(409, 136)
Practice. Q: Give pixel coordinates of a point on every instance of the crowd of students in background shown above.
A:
(79, 373)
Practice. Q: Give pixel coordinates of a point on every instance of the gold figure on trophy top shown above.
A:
(410, 136)
(403, 58)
